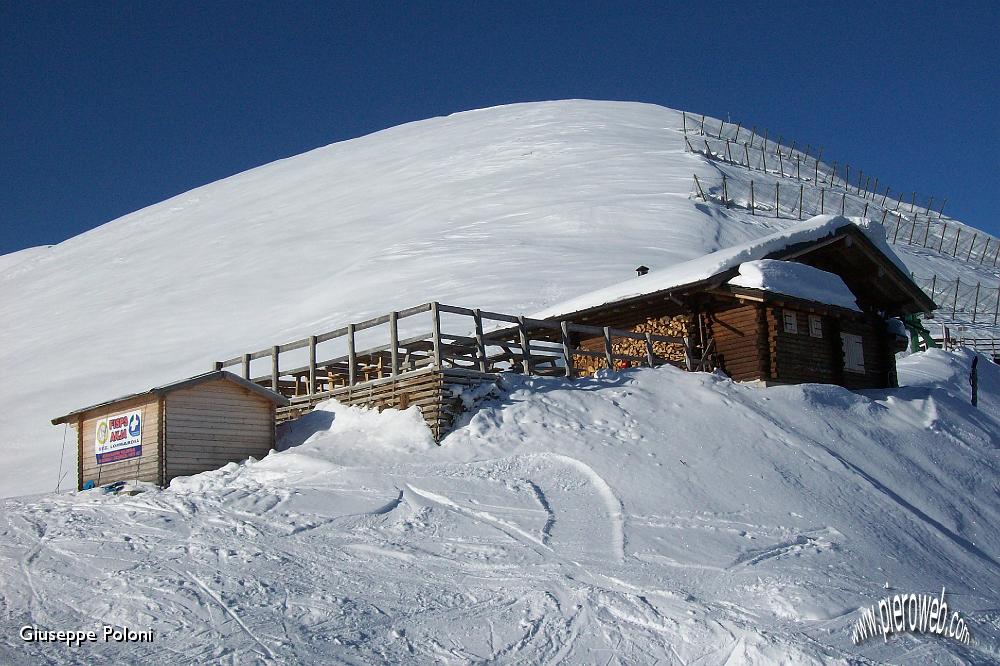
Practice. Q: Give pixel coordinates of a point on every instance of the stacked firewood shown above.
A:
(677, 326)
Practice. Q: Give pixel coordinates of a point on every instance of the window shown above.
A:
(815, 326)
(791, 325)
(854, 354)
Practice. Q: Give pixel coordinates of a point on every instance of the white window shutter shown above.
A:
(791, 325)
(854, 355)
(815, 326)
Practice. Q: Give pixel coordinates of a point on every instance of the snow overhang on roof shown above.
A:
(797, 280)
(276, 398)
(716, 268)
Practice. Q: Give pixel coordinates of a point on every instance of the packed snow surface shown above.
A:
(797, 280)
(648, 516)
(512, 209)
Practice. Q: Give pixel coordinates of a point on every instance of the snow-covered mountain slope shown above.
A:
(651, 516)
(511, 208)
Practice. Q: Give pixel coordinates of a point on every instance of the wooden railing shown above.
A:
(488, 343)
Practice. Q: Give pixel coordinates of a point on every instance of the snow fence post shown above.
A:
(954, 302)
(985, 251)
(975, 303)
(972, 245)
(974, 380)
(944, 230)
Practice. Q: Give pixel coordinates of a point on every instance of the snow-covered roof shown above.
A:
(797, 280)
(720, 261)
(276, 398)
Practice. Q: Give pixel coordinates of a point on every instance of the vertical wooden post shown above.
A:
(729, 153)
(798, 168)
(944, 230)
(884, 196)
(958, 234)
(847, 175)
(700, 191)
(688, 355)
(975, 303)
(393, 344)
(927, 231)
(725, 190)
(274, 369)
(352, 357)
(899, 220)
(954, 303)
(996, 253)
(246, 366)
(930, 204)
(913, 228)
(865, 212)
(861, 176)
(968, 257)
(763, 160)
(649, 350)
(752, 203)
(567, 349)
(816, 174)
(913, 202)
(996, 308)
(436, 323)
(312, 365)
(703, 124)
(739, 126)
(843, 202)
(874, 191)
(609, 351)
(522, 334)
(746, 151)
(480, 341)
(777, 209)
(217, 365)
(822, 201)
(933, 285)
(833, 176)
(941, 212)
(801, 190)
(684, 115)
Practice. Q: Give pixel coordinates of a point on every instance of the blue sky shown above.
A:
(109, 108)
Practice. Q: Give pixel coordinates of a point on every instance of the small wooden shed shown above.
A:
(183, 428)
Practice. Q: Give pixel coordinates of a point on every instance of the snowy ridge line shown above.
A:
(863, 184)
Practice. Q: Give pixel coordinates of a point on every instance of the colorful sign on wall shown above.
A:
(118, 437)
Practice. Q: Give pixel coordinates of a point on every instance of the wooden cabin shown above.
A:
(179, 429)
(763, 335)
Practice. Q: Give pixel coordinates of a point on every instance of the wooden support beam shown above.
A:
(352, 357)
(567, 349)
(394, 343)
(274, 368)
(522, 334)
(246, 366)
(480, 342)
(436, 333)
(650, 360)
(609, 351)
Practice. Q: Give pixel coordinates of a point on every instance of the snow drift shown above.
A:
(651, 515)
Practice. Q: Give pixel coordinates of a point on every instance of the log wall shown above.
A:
(801, 357)
(214, 423)
(146, 467)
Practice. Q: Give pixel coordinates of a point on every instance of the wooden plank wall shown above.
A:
(800, 357)
(432, 391)
(144, 468)
(880, 361)
(214, 423)
(741, 347)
